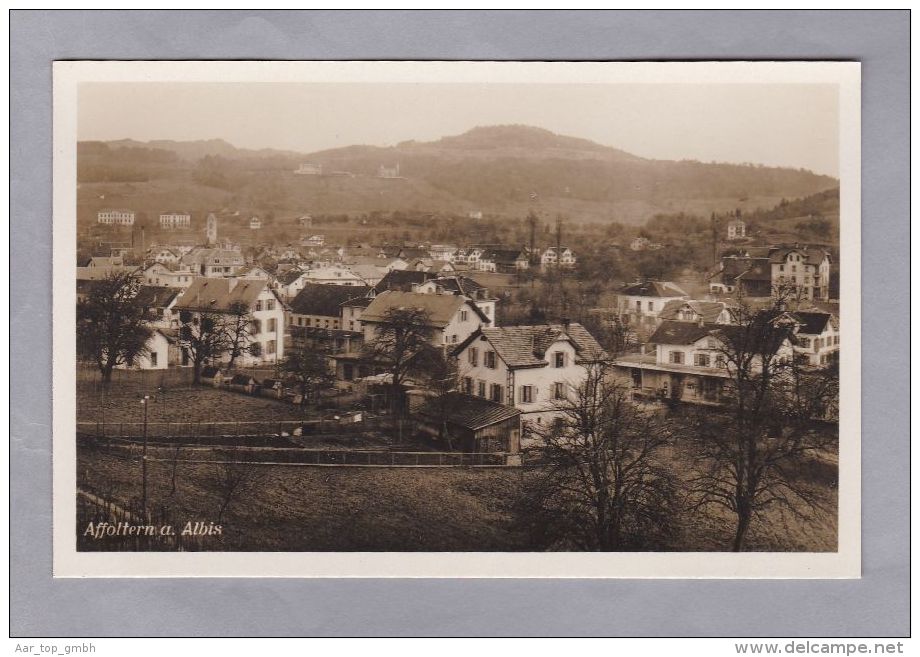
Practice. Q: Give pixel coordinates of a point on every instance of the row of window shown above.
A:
(270, 327)
(268, 304)
(527, 394)
(699, 360)
(558, 359)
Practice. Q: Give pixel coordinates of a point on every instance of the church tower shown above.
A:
(212, 229)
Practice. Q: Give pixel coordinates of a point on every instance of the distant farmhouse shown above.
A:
(561, 258)
(736, 229)
(175, 221)
(115, 217)
(309, 169)
(388, 172)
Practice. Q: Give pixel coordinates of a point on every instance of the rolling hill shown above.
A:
(499, 170)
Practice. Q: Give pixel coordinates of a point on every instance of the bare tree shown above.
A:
(239, 326)
(111, 324)
(748, 456)
(206, 337)
(311, 370)
(602, 485)
(402, 335)
(441, 375)
(232, 480)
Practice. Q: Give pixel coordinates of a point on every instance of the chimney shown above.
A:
(565, 324)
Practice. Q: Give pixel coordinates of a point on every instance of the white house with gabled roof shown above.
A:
(531, 368)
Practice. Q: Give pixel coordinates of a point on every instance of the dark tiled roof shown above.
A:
(471, 412)
(325, 300)
(153, 296)
(459, 284)
(441, 308)
(525, 346)
(653, 289)
(291, 275)
(812, 323)
(216, 294)
(671, 332)
(403, 279)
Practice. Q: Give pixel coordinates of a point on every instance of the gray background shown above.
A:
(875, 605)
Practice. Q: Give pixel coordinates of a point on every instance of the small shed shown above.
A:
(212, 376)
(242, 383)
(472, 423)
(272, 388)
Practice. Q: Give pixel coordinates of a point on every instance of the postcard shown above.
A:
(456, 319)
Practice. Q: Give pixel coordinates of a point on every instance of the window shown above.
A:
(720, 361)
(256, 326)
(639, 305)
(258, 305)
(651, 305)
(473, 356)
(153, 358)
(701, 360)
(453, 339)
(489, 360)
(270, 347)
(496, 393)
(468, 385)
(559, 359)
(270, 304)
(481, 388)
(676, 357)
(526, 394)
(558, 391)
(272, 325)
(464, 315)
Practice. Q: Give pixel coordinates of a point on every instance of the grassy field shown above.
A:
(292, 508)
(322, 509)
(302, 508)
(121, 403)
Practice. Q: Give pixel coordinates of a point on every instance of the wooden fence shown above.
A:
(103, 525)
(300, 456)
(206, 432)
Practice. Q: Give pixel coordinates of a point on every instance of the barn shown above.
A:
(473, 424)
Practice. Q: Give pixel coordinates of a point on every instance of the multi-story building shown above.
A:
(175, 221)
(817, 341)
(532, 368)
(736, 229)
(802, 272)
(687, 363)
(640, 303)
(115, 217)
(213, 262)
(224, 297)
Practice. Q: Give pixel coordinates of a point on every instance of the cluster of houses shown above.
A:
(514, 375)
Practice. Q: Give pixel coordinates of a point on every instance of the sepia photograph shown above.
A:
(489, 315)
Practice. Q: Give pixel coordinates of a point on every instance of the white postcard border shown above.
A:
(67, 562)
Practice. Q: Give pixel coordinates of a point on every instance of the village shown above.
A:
(401, 356)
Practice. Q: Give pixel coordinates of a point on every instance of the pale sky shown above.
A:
(793, 125)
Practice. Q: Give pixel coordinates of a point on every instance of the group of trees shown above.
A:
(610, 476)
(113, 329)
